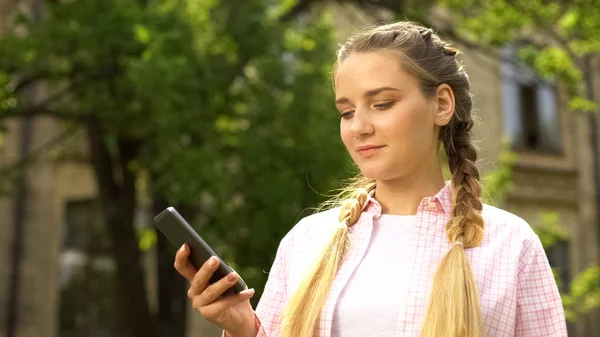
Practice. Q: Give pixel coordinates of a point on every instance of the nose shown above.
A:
(361, 125)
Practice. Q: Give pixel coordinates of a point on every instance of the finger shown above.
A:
(215, 290)
(183, 264)
(200, 281)
(216, 308)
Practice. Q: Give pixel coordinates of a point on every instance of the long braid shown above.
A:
(466, 224)
(454, 308)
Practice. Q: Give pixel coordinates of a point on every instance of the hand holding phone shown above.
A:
(210, 278)
(179, 232)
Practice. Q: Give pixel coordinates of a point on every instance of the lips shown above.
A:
(368, 150)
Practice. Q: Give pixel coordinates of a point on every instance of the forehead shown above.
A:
(360, 72)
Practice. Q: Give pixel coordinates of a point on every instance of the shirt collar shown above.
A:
(443, 197)
(372, 206)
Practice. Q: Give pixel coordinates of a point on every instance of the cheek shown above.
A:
(345, 134)
(411, 131)
(407, 122)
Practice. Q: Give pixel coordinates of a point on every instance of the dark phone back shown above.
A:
(178, 232)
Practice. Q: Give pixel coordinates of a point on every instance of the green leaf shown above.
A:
(141, 33)
(580, 104)
(568, 20)
(147, 240)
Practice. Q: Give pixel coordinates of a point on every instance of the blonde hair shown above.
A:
(454, 308)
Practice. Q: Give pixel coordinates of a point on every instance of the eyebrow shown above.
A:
(369, 93)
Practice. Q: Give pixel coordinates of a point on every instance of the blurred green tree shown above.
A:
(561, 37)
(217, 106)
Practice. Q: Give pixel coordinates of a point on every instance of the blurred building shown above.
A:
(52, 216)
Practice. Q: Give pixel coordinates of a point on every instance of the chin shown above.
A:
(376, 173)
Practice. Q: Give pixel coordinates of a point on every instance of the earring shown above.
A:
(446, 118)
(441, 118)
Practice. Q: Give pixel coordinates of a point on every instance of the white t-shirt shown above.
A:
(384, 271)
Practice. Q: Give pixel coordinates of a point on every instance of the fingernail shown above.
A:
(248, 292)
(182, 249)
(213, 261)
(231, 277)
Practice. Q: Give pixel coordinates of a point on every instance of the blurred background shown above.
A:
(111, 110)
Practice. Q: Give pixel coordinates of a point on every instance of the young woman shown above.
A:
(404, 253)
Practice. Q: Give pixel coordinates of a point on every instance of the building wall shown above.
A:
(8, 151)
(41, 233)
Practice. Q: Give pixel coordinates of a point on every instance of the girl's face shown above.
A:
(388, 126)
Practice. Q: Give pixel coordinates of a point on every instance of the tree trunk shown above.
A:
(172, 296)
(118, 203)
(593, 134)
(593, 129)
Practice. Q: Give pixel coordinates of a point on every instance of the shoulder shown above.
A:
(309, 230)
(320, 218)
(497, 219)
(501, 225)
(303, 243)
(314, 225)
(309, 233)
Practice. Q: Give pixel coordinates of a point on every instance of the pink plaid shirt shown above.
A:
(518, 294)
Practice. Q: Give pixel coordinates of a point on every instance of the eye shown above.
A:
(347, 114)
(384, 106)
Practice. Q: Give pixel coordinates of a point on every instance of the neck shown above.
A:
(402, 196)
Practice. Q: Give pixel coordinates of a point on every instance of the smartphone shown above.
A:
(178, 231)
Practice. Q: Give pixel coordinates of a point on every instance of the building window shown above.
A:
(87, 270)
(531, 118)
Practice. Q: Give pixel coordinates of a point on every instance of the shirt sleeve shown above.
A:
(539, 306)
(273, 299)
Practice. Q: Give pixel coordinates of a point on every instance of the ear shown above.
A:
(444, 99)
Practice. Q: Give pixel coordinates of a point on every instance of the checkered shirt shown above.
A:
(518, 294)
